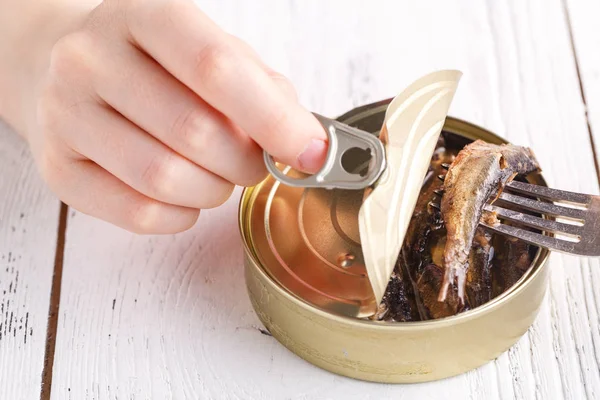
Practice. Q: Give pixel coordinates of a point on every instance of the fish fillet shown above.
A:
(479, 171)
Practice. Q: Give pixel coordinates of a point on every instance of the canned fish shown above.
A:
(307, 282)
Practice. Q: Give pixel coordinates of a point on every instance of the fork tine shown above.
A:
(550, 194)
(548, 242)
(546, 225)
(543, 208)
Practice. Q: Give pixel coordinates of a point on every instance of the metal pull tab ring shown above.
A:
(333, 175)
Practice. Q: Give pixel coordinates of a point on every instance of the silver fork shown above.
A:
(581, 237)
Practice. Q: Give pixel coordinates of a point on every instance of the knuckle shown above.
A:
(144, 217)
(67, 55)
(284, 84)
(214, 65)
(276, 76)
(192, 130)
(276, 123)
(160, 176)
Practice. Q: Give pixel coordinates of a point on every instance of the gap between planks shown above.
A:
(53, 308)
(581, 88)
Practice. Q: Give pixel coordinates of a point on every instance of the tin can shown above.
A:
(296, 244)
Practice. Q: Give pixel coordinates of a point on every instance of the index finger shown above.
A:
(198, 53)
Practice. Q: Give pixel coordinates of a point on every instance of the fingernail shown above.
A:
(313, 157)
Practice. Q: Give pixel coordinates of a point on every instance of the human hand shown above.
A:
(149, 113)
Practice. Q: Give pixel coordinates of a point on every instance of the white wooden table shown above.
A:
(89, 311)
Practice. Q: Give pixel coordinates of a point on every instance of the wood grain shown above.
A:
(168, 317)
(28, 231)
(585, 36)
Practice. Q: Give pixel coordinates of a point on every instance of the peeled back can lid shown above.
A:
(308, 241)
(309, 238)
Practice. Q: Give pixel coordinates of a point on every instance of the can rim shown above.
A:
(536, 267)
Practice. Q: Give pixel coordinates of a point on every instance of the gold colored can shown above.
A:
(305, 276)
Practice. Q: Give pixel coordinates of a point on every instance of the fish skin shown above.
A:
(479, 274)
(479, 171)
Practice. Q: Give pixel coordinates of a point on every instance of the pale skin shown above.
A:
(144, 112)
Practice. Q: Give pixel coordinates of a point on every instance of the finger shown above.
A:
(147, 95)
(192, 48)
(138, 159)
(280, 80)
(283, 84)
(91, 190)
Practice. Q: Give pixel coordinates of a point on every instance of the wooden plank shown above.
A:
(584, 32)
(585, 36)
(28, 233)
(541, 107)
(168, 317)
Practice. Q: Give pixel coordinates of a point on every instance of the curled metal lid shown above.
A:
(412, 125)
(327, 239)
